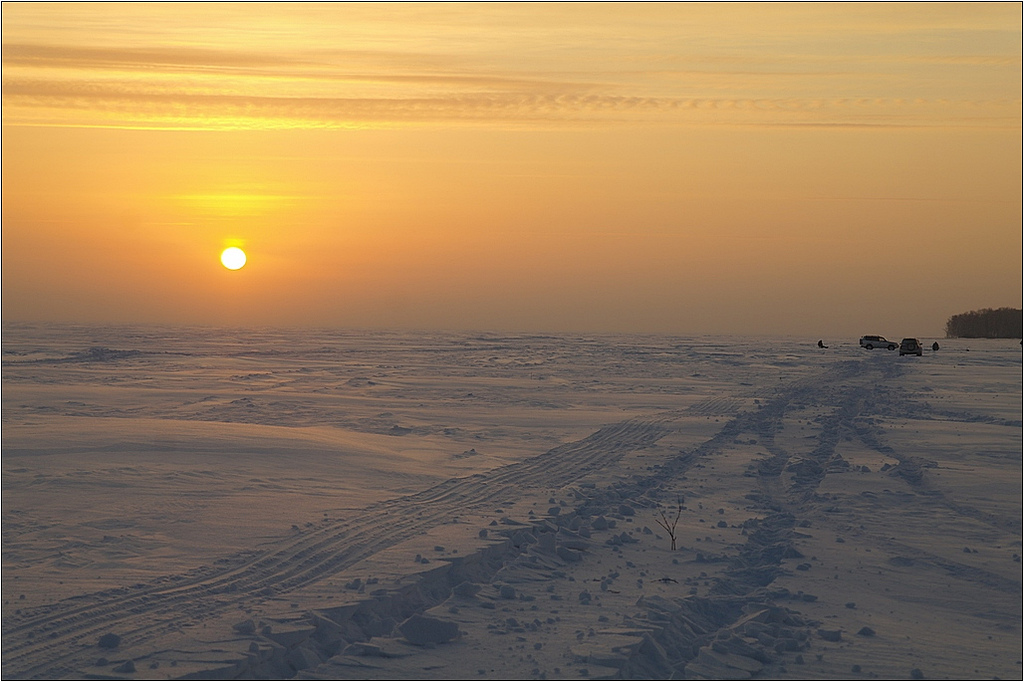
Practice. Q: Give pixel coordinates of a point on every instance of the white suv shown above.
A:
(872, 342)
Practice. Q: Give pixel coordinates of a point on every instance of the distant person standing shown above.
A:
(935, 346)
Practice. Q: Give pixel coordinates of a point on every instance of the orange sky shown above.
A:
(806, 169)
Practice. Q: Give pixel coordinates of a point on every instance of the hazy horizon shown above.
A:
(812, 170)
(478, 333)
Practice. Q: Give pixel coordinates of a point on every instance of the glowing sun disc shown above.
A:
(233, 258)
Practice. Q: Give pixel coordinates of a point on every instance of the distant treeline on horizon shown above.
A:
(1002, 323)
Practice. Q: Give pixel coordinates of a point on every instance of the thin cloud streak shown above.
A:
(139, 103)
(145, 59)
(141, 63)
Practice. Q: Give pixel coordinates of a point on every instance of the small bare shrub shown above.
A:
(670, 526)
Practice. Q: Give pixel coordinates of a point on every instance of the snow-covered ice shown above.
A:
(233, 504)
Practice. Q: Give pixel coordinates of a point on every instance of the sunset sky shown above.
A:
(822, 170)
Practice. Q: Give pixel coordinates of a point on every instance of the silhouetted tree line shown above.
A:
(1002, 323)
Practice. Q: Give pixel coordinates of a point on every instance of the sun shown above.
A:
(233, 258)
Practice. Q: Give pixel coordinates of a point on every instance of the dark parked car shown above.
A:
(910, 347)
(871, 342)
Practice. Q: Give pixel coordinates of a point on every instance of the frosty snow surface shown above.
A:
(394, 505)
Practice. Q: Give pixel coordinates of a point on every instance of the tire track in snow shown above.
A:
(55, 640)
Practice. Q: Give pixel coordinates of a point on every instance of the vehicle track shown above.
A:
(796, 495)
(55, 640)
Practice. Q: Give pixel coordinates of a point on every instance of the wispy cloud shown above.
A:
(406, 79)
(175, 58)
(129, 102)
(327, 66)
